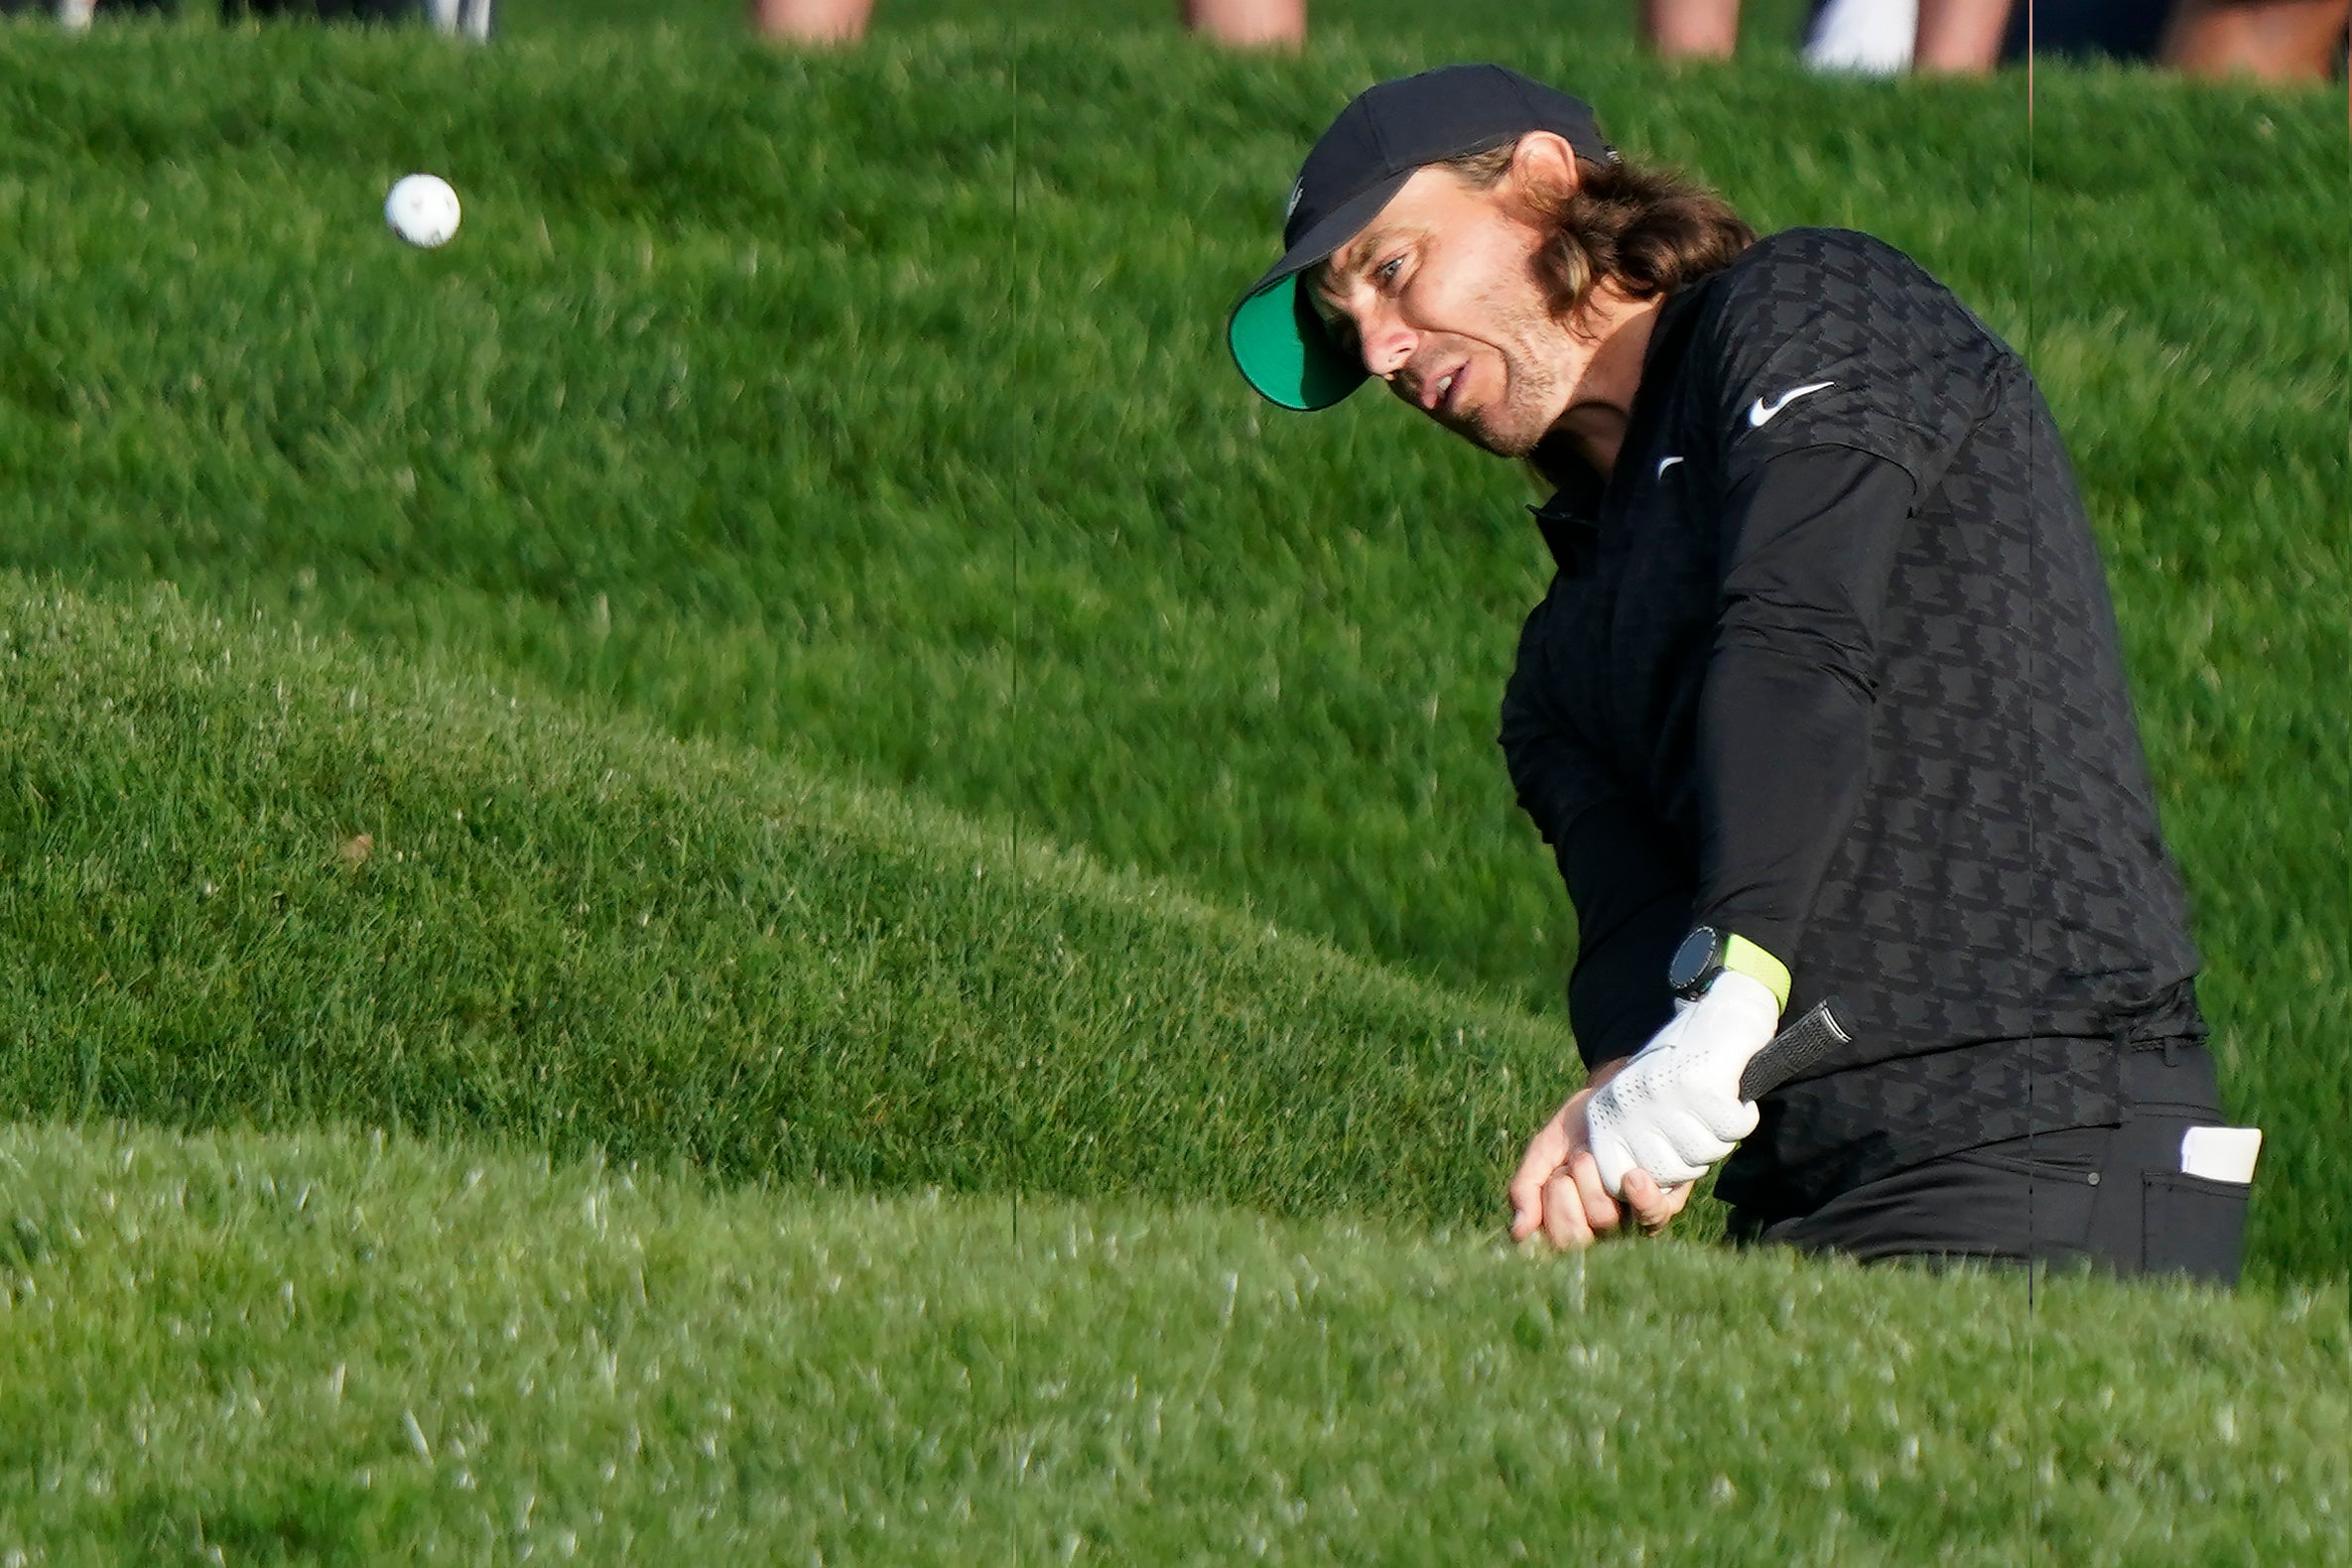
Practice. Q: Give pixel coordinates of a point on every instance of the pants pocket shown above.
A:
(2038, 1195)
(2070, 1156)
(2193, 1226)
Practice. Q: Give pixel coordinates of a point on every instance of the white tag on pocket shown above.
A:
(2220, 1153)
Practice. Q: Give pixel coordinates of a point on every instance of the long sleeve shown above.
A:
(1810, 539)
(1632, 899)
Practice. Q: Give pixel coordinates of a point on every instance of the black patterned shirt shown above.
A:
(1830, 662)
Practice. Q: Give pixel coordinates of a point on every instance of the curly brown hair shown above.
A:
(1651, 229)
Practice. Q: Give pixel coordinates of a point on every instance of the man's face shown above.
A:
(1439, 295)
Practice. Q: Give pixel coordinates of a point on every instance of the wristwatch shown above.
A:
(1707, 952)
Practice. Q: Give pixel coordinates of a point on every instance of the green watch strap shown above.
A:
(1745, 957)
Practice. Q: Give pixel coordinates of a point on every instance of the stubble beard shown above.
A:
(1515, 422)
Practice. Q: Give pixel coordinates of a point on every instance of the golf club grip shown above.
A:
(1796, 1048)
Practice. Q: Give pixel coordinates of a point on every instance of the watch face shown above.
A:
(1694, 960)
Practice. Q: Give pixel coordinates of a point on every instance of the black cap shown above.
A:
(1376, 145)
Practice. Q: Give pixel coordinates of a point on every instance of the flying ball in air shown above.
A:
(422, 210)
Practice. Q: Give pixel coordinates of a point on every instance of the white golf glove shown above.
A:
(1676, 1107)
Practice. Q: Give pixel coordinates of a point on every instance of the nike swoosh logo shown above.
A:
(1760, 412)
(1665, 463)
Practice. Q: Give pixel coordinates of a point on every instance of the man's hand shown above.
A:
(1558, 1188)
(1675, 1108)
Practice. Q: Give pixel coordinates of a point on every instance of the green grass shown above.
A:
(274, 1355)
(576, 937)
(861, 409)
(847, 695)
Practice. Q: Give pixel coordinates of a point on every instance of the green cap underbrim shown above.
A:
(1281, 349)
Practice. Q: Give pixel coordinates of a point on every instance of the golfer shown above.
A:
(1825, 699)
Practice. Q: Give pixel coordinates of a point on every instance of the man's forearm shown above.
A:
(1616, 990)
(1783, 743)
(1631, 891)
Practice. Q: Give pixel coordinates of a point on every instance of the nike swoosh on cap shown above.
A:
(1665, 463)
(1760, 412)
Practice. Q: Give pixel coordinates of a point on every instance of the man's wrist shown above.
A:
(1742, 956)
(1709, 952)
(1602, 1071)
(1733, 994)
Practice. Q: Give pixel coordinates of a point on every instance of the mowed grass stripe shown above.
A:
(325, 1347)
(773, 398)
(250, 879)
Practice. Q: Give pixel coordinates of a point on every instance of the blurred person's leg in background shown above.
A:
(1249, 23)
(2268, 40)
(1691, 29)
(1882, 37)
(811, 20)
(1959, 37)
(1242, 23)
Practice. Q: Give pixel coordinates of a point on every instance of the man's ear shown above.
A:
(1542, 166)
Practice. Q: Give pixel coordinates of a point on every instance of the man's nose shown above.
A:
(1387, 346)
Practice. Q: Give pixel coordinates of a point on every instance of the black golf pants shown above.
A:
(2113, 1196)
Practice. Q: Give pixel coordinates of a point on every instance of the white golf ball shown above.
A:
(422, 209)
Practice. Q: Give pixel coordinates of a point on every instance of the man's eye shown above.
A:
(1387, 270)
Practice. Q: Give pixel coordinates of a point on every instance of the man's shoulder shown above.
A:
(1822, 245)
(1808, 310)
(1811, 291)
(1811, 270)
